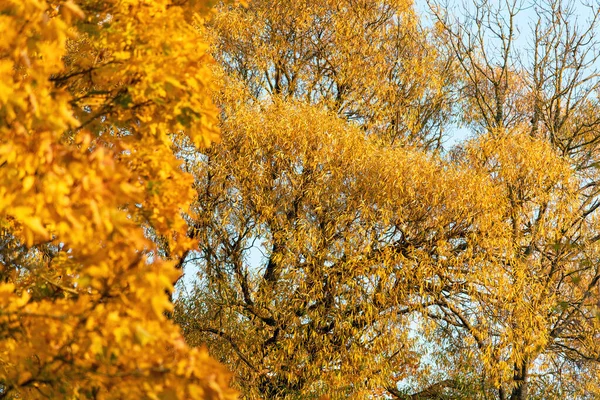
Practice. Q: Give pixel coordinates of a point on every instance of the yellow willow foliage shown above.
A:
(91, 95)
(541, 318)
(531, 304)
(368, 61)
(352, 234)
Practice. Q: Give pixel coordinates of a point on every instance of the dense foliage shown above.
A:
(341, 251)
(291, 155)
(91, 102)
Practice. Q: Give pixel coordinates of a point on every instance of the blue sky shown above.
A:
(525, 21)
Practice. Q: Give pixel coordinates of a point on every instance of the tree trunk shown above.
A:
(520, 377)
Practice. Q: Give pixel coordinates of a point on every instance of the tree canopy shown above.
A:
(91, 103)
(342, 251)
(291, 155)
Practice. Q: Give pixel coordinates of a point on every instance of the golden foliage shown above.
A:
(340, 256)
(91, 96)
(352, 230)
(368, 61)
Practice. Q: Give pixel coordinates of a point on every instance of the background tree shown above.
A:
(548, 91)
(368, 61)
(388, 270)
(353, 232)
(92, 97)
(525, 324)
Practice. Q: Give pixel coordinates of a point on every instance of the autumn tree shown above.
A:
(540, 104)
(93, 96)
(389, 269)
(352, 231)
(370, 62)
(525, 323)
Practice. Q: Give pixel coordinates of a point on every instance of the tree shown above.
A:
(92, 97)
(548, 93)
(525, 325)
(389, 270)
(369, 61)
(351, 229)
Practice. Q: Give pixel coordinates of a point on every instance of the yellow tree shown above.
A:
(368, 61)
(538, 113)
(350, 229)
(525, 323)
(468, 276)
(92, 97)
